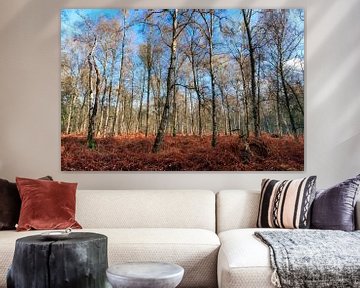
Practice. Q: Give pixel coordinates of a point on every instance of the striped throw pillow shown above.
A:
(286, 204)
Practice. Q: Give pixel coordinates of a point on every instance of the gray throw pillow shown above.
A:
(334, 208)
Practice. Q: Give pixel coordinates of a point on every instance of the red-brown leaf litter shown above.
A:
(183, 153)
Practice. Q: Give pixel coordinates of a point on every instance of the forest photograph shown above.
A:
(182, 89)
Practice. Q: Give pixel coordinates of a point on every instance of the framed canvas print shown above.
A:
(182, 89)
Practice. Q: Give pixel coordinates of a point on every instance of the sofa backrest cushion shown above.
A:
(236, 209)
(146, 209)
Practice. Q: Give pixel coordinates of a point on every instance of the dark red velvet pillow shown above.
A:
(10, 204)
(46, 204)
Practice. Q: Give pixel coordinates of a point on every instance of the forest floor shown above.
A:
(183, 153)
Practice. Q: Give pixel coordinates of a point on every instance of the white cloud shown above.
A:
(295, 63)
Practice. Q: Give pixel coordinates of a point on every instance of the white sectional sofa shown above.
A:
(243, 260)
(163, 225)
(177, 226)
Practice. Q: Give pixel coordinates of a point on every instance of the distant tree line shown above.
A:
(184, 71)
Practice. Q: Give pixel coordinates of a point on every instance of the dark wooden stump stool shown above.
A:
(78, 261)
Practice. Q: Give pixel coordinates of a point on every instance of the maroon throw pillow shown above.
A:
(46, 204)
(10, 204)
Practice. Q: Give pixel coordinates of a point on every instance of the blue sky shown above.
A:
(69, 17)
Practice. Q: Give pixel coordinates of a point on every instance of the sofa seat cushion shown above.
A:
(244, 261)
(194, 249)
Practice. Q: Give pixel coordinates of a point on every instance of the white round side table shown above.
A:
(145, 275)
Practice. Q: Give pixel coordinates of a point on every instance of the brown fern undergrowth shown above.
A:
(183, 153)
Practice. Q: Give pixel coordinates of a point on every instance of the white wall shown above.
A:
(30, 95)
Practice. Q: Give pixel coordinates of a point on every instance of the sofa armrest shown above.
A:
(357, 215)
